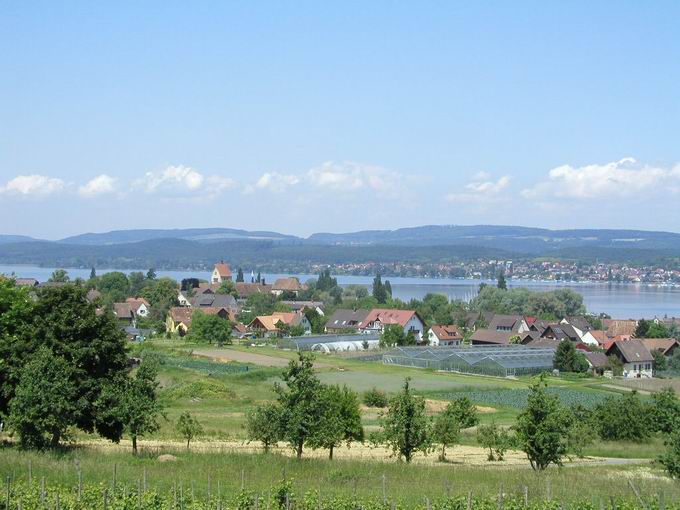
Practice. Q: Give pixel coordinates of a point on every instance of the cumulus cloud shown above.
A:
(351, 176)
(616, 179)
(32, 185)
(276, 182)
(100, 185)
(483, 188)
(181, 178)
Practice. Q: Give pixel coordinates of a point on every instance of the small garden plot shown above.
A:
(205, 366)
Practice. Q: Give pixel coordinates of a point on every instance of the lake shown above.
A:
(620, 300)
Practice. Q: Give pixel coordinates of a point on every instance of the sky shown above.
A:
(305, 117)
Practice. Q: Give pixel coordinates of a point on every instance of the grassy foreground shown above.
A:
(408, 484)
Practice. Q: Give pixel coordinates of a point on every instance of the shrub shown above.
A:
(375, 398)
(623, 419)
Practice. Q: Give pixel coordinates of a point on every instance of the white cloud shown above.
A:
(351, 176)
(481, 189)
(219, 183)
(35, 185)
(180, 178)
(276, 182)
(100, 185)
(616, 179)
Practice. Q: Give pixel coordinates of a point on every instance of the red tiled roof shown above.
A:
(448, 332)
(223, 269)
(388, 316)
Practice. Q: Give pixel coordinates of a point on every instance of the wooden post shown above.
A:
(106, 502)
(662, 502)
(500, 496)
(174, 495)
(548, 490)
(209, 487)
(257, 501)
(526, 496)
(287, 502)
(30, 473)
(613, 500)
(139, 494)
(114, 475)
(427, 504)
(637, 495)
(42, 490)
(144, 480)
(9, 487)
(80, 484)
(243, 479)
(56, 503)
(469, 501)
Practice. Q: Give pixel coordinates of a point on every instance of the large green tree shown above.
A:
(45, 401)
(339, 419)
(209, 328)
(542, 428)
(568, 359)
(264, 424)
(300, 402)
(405, 426)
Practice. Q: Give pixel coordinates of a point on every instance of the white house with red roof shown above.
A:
(379, 318)
(444, 336)
(221, 273)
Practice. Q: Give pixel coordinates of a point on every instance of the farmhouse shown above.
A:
(344, 320)
(379, 318)
(637, 360)
(221, 273)
(665, 346)
(290, 285)
(140, 306)
(179, 317)
(444, 336)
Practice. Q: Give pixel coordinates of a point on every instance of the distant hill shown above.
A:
(190, 234)
(4, 239)
(511, 238)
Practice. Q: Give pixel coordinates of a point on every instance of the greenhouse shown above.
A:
(502, 360)
(329, 343)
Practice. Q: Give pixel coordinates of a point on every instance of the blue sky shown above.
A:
(338, 116)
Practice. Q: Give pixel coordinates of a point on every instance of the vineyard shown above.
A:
(39, 496)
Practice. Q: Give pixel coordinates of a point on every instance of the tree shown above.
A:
(209, 328)
(188, 427)
(379, 292)
(657, 330)
(162, 295)
(623, 418)
(227, 287)
(405, 427)
(670, 460)
(375, 398)
(388, 288)
(495, 439)
(239, 275)
(642, 329)
(264, 425)
(299, 402)
(446, 429)
(64, 321)
(151, 274)
(339, 420)
(59, 276)
(502, 284)
(44, 405)
(93, 273)
(660, 361)
(542, 428)
(259, 278)
(137, 282)
(614, 364)
(567, 359)
(392, 335)
(134, 402)
(326, 282)
(665, 410)
(464, 411)
(113, 286)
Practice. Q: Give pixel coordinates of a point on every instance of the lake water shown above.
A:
(621, 301)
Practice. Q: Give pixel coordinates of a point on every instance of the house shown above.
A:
(665, 346)
(140, 306)
(616, 327)
(301, 306)
(239, 330)
(509, 323)
(245, 290)
(288, 285)
(221, 273)
(265, 325)
(582, 328)
(378, 318)
(294, 319)
(597, 361)
(488, 336)
(179, 317)
(124, 314)
(344, 320)
(26, 282)
(637, 360)
(561, 332)
(444, 336)
(210, 300)
(474, 320)
(92, 295)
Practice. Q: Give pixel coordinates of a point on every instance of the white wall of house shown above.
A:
(416, 326)
(183, 300)
(216, 278)
(588, 338)
(434, 340)
(638, 370)
(142, 311)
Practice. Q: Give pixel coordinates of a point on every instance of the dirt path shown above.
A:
(247, 357)
(459, 455)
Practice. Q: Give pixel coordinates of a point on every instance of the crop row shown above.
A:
(518, 397)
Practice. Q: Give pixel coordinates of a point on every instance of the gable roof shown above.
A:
(511, 322)
(344, 318)
(491, 336)
(266, 322)
(448, 332)
(223, 269)
(122, 310)
(577, 321)
(664, 345)
(561, 332)
(247, 289)
(616, 327)
(596, 359)
(290, 284)
(632, 351)
(184, 314)
(214, 300)
(93, 294)
(136, 303)
(389, 316)
(26, 282)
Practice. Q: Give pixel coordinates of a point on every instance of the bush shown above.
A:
(375, 398)
(623, 419)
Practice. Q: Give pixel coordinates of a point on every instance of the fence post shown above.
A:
(105, 500)
(637, 495)
(30, 473)
(662, 502)
(42, 490)
(526, 496)
(114, 475)
(384, 489)
(548, 490)
(57, 502)
(80, 484)
(243, 479)
(144, 479)
(9, 486)
(209, 488)
(139, 494)
(500, 496)
(469, 501)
